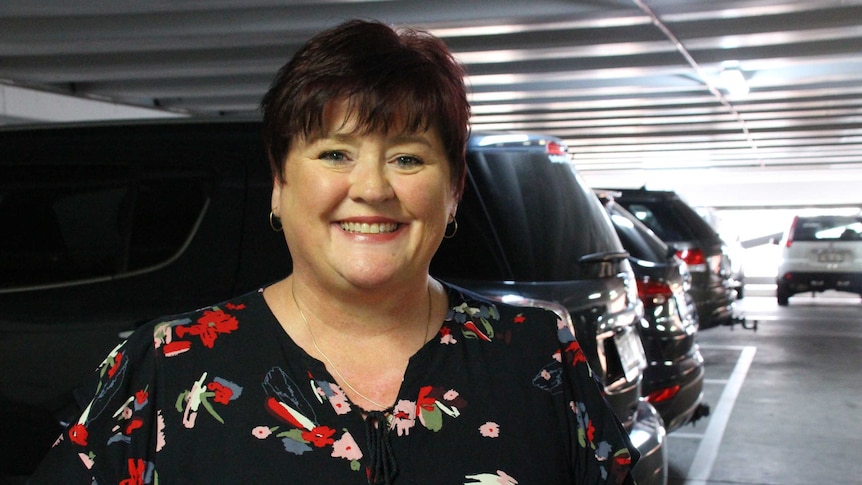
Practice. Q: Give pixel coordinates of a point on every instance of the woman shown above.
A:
(358, 367)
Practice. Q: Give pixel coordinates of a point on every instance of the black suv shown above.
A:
(696, 243)
(114, 225)
(673, 379)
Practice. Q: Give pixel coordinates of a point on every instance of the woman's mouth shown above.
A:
(369, 228)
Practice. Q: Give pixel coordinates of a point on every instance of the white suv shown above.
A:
(820, 253)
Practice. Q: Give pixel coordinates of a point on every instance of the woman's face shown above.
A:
(364, 210)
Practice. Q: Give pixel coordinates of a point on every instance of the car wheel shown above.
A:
(783, 298)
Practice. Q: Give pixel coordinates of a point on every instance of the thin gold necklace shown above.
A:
(332, 364)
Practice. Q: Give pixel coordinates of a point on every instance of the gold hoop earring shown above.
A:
(454, 226)
(275, 222)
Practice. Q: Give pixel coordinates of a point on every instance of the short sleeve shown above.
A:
(113, 437)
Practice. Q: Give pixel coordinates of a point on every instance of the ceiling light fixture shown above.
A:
(733, 81)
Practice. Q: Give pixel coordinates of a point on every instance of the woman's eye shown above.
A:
(333, 156)
(408, 161)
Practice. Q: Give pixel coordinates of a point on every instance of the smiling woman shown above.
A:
(358, 367)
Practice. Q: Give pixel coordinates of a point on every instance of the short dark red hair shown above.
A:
(387, 77)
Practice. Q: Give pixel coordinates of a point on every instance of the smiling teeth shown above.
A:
(365, 228)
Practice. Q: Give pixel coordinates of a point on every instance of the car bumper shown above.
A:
(688, 374)
(800, 282)
(649, 437)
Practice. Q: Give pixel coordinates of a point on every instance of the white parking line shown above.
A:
(701, 466)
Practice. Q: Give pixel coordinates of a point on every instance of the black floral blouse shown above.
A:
(502, 395)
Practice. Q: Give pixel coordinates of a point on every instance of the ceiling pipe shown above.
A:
(709, 85)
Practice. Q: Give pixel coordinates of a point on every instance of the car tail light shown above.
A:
(662, 394)
(791, 231)
(694, 258)
(653, 293)
(554, 148)
(691, 256)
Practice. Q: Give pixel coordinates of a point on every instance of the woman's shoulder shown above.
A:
(483, 314)
(202, 328)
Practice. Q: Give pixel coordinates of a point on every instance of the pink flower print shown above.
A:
(346, 447)
(450, 395)
(261, 432)
(500, 478)
(505, 479)
(545, 375)
(558, 356)
(490, 430)
(88, 462)
(446, 336)
(160, 431)
(403, 417)
(338, 400)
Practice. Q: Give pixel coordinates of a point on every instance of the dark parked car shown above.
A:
(673, 379)
(104, 228)
(696, 243)
(110, 226)
(530, 230)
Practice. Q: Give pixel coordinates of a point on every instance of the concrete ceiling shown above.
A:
(631, 85)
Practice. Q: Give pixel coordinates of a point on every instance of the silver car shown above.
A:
(820, 253)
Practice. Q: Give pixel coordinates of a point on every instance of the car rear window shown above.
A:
(828, 228)
(637, 239)
(525, 218)
(672, 220)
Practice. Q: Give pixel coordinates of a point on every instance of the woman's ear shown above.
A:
(276, 195)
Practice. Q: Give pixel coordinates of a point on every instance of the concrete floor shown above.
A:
(785, 399)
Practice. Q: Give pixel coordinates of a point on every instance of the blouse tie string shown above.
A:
(382, 466)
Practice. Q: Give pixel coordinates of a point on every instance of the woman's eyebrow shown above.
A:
(405, 138)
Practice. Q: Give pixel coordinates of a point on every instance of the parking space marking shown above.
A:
(701, 466)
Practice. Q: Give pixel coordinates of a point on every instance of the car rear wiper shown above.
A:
(605, 257)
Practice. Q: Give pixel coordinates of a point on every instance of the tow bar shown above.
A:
(701, 411)
(738, 319)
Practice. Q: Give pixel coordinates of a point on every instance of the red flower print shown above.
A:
(591, 431)
(141, 396)
(136, 423)
(176, 347)
(78, 434)
(320, 436)
(425, 400)
(479, 334)
(222, 393)
(578, 354)
(115, 364)
(209, 326)
(136, 473)
(623, 459)
(231, 306)
(520, 318)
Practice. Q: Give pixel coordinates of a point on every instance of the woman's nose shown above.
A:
(370, 181)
